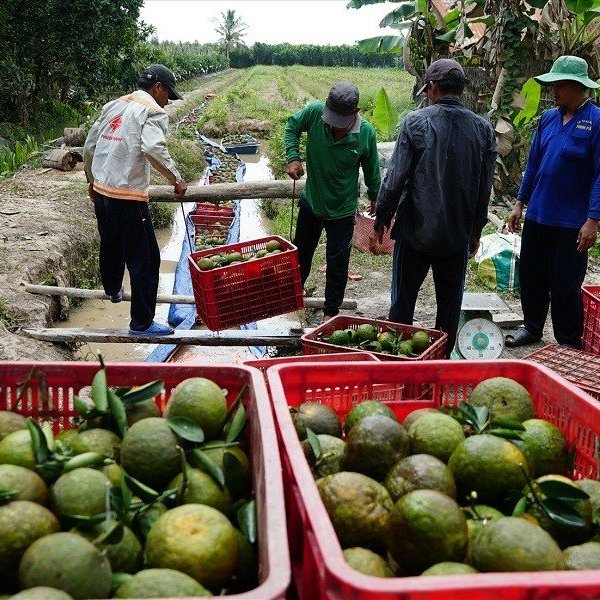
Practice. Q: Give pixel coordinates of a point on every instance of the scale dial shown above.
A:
(480, 339)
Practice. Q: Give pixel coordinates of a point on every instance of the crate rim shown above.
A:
(324, 531)
(278, 580)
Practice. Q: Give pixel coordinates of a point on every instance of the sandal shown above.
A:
(520, 337)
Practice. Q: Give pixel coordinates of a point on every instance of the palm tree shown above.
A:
(231, 29)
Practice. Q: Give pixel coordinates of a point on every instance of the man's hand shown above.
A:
(372, 208)
(91, 192)
(514, 218)
(295, 169)
(587, 235)
(473, 245)
(180, 188)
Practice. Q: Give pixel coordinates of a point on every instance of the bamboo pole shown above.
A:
(194, 337)
(70, 292)
(220, 192)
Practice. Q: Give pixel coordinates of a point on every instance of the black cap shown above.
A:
(341, 104)
(443, 69)
(155, 73)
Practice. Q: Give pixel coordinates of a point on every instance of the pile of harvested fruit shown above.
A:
(129, 503)
(391, 341)
(229, 164)
(207, 238)
(206, 263)
(480, 487)
(238, 139)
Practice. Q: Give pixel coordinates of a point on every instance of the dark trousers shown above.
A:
(408, 273)
(339, 244)
(127, 239)
(551, 273)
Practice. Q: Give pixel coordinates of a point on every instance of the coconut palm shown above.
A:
(231, 29)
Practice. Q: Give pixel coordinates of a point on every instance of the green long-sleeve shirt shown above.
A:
(332, 166)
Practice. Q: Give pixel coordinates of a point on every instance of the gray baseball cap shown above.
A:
(341, 104)
(444, 68)
(160, 73)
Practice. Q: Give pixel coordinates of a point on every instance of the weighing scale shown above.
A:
(478, 337)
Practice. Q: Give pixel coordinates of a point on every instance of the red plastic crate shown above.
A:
(49, 396)
(318, 566)
(591, 318)
(238, 294)
(365, 239)
(207, 208)
(312, 343)
(580, 368)
(262, 364)
(201, 221)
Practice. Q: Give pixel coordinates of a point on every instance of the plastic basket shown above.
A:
(312, 343)
(365, 238)
(318, 566)
(591, 318)
(580, 368)
(238, 294)
(202, 220)
(49, 396)
(206, 208)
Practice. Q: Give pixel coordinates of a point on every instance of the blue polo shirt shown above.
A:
(561, 185)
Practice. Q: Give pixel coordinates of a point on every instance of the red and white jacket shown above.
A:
(127, 137)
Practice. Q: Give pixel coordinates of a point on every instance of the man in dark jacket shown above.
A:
(438, 188)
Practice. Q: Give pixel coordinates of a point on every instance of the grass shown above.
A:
(6, 318)
(84, 266)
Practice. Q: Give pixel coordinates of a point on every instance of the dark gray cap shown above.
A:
(443, 69)
(341, 104)
(155, 73)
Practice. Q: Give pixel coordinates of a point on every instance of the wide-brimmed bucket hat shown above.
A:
(568, 68)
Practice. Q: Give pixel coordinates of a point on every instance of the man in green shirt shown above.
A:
(338, 142)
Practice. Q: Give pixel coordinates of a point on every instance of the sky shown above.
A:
(317, 22)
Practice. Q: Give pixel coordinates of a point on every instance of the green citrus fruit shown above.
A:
(367, 332)
(80, 492)
(317, 417)
(374, 445)
(11, 421)
(203, 489)
(478, 516)
(197, 540)
(114, 473)
(246, 571)
(366, 408)
(142, 410)
(592, 488)
(358, 507)
(205, 264)
(426, 527)
(149, 452)
(584, 557)
(125, 556)
(21, 523)
(332, 455)
(161, 583)
(272, 245)
(367, 562)
(449, 568)
(28, 484)
(217, 454)
(545, 447)
(97, 440)
(513, 544)
(66, 437)
(488, 465)
(505, 398)
(202, 401)
(15, 449)
(419, 472)
(416, 414)
(67, 562)
(339, 338)
(387, 340)
(436, 434)
(42, 593)
(405, 348)
(420, 341)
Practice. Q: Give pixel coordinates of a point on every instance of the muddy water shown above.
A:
(103, 314)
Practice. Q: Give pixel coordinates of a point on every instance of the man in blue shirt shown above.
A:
(561, 188)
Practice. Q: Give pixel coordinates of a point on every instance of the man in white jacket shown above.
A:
(128, 136)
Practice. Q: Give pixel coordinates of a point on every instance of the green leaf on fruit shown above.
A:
(186, 429)
(237, 424)
(137, 488)
(563, 513)
(142, 393)
(315, 445)
(562, 491)
(246, 516)
(234, 473)
(210, 466)
(520, 507)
